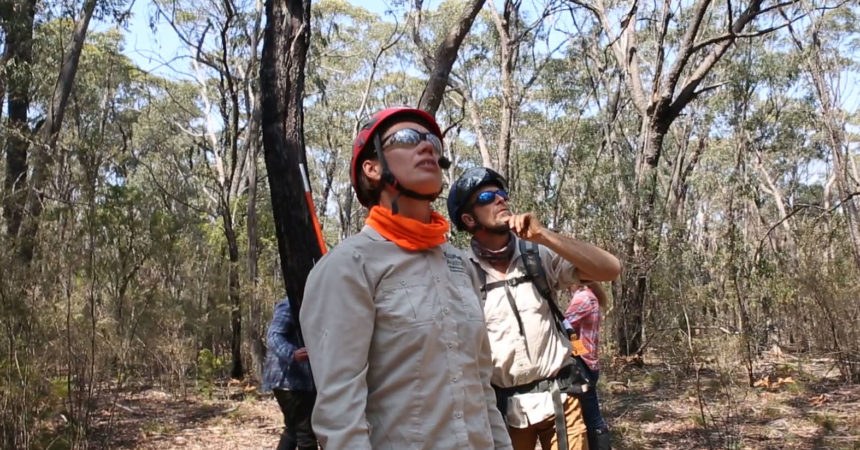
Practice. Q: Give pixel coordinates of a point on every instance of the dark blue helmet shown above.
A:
(471, 180)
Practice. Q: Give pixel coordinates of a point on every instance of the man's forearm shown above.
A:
(592, 262)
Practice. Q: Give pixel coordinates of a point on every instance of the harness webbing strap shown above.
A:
(560, 423)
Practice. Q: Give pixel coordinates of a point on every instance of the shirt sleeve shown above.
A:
(278, 335)
(337, 319)
(560, 273)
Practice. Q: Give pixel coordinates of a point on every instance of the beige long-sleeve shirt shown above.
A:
(539, 353)
(398, 349)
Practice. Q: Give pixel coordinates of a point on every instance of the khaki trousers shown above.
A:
(527, 438)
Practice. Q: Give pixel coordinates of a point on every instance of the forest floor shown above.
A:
(797, 404)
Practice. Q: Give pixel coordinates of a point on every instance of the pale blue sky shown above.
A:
(150, 50)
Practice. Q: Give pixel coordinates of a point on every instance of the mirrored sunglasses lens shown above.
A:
(406, 136)
(436, 142)
(486, 197)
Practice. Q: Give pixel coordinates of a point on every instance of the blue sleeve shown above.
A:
(280, 337)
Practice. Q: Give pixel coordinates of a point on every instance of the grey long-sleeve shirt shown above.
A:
(399, 349)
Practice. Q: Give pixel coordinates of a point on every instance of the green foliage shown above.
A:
(209, 368)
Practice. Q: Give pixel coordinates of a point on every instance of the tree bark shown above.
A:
(508, 28)
(234, 296)
(472, 110)
(285, 45)
(256, 327)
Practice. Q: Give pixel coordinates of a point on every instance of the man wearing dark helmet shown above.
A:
(532, 355)
(392, 319)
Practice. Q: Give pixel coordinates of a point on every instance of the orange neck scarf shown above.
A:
(407, 233)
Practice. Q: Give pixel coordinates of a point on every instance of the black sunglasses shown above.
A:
(412, 137)
(487, 197)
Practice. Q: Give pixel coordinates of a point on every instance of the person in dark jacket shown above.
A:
(287, 373)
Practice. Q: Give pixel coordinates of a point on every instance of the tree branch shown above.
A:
(724, 37)
(708, 88)
(686, 49)
(688, 92)
(661, 51)
(446, 55)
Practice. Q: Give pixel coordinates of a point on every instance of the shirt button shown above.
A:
(450, 345)
(445, 310)
(454, 379)
(458, 414)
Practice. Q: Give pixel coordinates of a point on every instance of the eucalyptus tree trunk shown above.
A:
(237, 370)
(256, 327)
(508, 27)
(232, 137)
(285, 46)
(46, 143)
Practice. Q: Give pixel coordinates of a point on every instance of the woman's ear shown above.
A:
(372, 169)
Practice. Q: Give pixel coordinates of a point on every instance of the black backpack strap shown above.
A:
(485, 287)
(534, 270)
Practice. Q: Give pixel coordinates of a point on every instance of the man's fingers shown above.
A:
(512, 223)
(527, 229)
(525, 226)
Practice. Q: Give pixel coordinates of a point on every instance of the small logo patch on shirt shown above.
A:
(455, 263)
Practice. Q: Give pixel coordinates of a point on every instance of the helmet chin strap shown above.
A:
(389, 179)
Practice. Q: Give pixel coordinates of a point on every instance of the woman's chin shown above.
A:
(428, 187)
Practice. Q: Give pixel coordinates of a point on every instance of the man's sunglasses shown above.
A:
(487, 197)
(411, 137)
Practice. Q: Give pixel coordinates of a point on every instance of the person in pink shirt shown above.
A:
(583, 314)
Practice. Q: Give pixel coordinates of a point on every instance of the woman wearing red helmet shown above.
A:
(391, 318)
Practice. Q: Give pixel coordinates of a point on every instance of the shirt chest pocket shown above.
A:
(502, 300)
(464, 300)
(405, 303)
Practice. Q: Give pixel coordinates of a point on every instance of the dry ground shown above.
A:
(800, 405)
(655, 405)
